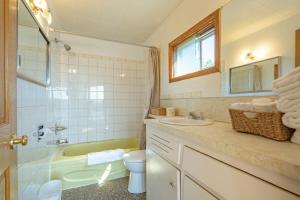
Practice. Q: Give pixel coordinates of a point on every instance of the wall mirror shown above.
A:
(254, 77)
(254, 31)
(33, 49)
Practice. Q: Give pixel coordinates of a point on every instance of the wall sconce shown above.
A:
(250, 56)
(41, 7)
(253, 55)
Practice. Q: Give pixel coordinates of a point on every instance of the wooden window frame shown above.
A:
(211, 21)
(297, 48)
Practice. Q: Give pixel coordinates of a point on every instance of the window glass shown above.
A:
(195, 54)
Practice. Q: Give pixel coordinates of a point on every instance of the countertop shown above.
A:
(279, 157)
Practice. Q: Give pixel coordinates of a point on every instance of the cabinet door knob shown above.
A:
(172, 184)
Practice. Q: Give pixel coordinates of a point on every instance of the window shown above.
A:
(196, 52)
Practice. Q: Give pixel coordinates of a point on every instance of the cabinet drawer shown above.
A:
(165, 147)
(193, 191)
(229, 182)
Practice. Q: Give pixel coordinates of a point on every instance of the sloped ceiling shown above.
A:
(120, 20)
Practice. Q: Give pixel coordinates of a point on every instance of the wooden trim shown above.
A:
(276, 71)
(7, 184)
(212, 20)
(297, 48)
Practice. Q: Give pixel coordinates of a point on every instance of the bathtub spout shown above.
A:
(62, 141)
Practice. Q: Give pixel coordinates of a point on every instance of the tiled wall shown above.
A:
(97, 97)
(215, 108)
(33, 159)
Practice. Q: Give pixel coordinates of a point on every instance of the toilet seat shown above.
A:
(135, 156)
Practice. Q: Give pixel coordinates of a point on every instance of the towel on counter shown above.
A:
(289, 102)
(287, 79)
(266, 107)
(242, 106)
(105, 156)
(292, 119)
(258, 105)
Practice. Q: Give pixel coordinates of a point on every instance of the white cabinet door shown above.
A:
(163, 179)
(193, 191)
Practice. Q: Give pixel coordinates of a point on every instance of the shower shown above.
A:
(66, 46)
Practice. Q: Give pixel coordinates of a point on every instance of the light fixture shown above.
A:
(41, 7)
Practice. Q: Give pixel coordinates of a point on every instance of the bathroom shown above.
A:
(149, 100)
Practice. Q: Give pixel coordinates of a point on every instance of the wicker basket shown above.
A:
(267, 124)
(158, 111)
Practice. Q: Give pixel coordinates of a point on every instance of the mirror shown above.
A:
(33, 58)
(254, 77)
(254, 31)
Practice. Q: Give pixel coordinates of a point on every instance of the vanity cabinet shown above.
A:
(163, 175)
(163, 179)
(228, 182)
(181, 170)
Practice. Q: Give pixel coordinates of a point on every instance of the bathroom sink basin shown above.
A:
(185, 121)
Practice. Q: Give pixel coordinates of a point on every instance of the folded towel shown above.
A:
(289, 102)
(287, 79)
(105, 156)
(261, 100)
(265, 107)
(292, 119)
(288, 89)
(258, 107)
(242, 106)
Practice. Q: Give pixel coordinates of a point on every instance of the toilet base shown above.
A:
(137, 183)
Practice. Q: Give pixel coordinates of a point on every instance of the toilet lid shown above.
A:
(135, 156)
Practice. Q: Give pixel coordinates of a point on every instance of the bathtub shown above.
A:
(69, 164)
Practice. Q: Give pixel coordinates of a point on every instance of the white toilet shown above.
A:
(135, 161)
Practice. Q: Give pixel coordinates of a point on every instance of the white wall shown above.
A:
(273, 41)
(89, 96)
(187, 14)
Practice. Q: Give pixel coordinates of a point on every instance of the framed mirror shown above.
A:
(254, 77)
(252, 32)
(33, 49)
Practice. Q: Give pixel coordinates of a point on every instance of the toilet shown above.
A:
(135, 162)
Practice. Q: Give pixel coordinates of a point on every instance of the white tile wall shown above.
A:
(97, 97)
(34, 158)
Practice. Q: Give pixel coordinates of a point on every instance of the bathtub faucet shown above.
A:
(62, 141)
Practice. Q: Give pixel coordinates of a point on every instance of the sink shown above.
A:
(183, 121)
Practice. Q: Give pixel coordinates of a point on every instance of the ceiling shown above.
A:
(241, 17)
(119, 20)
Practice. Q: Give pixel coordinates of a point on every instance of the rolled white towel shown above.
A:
(288, 88)
(289, 102)
(242, 106)
(287, 79)
(292, 119)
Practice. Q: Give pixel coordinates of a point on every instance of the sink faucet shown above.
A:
(196, 116)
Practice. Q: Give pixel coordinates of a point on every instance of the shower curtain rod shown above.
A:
(129, 43)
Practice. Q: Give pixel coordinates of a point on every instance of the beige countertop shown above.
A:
(279, 157)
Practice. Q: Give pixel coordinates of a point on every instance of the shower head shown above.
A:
(66, 46)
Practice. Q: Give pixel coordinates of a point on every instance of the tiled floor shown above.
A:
(111, 190)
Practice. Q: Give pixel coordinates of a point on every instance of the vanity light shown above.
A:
(257, 54)
(41, 7)
(250, 56)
